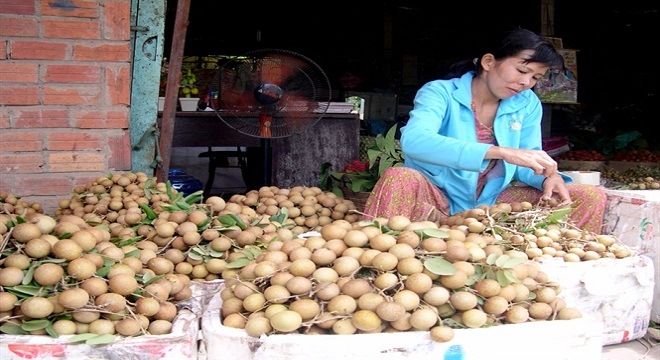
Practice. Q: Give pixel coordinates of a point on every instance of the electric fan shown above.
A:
(270, 93)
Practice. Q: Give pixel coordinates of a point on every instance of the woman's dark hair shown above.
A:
(516, 41)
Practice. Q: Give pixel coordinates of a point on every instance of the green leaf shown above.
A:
(129, 241)
(27, 278)
(360, 185)
(12, 329)
(490, 260)
(101, 339)
(227, 220)
(82, 337)
(255, 250)
(238, 263)
(133, 254)
(169, 189)
(216, 254)
(33, 325)
(238, 221)
(490, 274)
(183, 205)
(511, 276)
(103, 272)
(151, 215)
(248, 254)
(195, 256)
(559, 215)
(25, 290)
(501, 260)
(325, 182)
(434, 233)
(51, 331)
(202, 225)
(195, 197)
(197, 249)
(514, 261)
(501, 278)
(107, 261)
(149, 279)
(439, 266)
(280, 216)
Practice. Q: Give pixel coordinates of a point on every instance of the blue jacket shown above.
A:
(440, 141)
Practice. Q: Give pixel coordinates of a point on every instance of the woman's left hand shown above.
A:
(554, 184)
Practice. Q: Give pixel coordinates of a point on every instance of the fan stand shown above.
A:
(264, 132)
(268, 95)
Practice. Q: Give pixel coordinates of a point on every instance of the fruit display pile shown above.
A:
(581, 155)
(636, 156)
(641, 177)
(118, 257)
(392, 275)
(626, 155)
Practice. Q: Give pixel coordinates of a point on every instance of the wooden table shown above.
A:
(294, 160)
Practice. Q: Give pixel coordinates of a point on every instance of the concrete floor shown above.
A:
(645, 348)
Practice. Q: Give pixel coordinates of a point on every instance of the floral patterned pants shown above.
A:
(407, 192)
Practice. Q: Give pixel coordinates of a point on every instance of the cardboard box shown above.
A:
(181, 343)
(634, 217)
(559, 339)
(619, 292)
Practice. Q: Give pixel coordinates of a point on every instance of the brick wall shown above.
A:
(64, 95)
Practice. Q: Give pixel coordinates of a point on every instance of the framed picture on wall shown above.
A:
(560, 87)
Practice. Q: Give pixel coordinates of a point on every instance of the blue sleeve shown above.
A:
(441, 132)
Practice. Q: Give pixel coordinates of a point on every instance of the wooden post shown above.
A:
(548, 17)
(172, 89)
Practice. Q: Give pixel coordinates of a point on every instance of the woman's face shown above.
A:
(510, 76)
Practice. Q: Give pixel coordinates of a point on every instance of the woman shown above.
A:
(473, 133)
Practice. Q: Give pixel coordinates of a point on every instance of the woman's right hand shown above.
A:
(537, 160)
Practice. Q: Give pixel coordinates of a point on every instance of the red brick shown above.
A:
(118, 85)
(73, 74)
(70, 29)
(101, 119)
(120, 159)
(79, 95)
(117, 20)
(4, 117)
(19, 95)
(104, 52)
(59, 141)
(21, 163)
(18, 7)
(18, 72)
(42, 184)
(42, 118)
(76, 161)
(71, 8)
(3, 54)
(37, 50)
(13, 26)
(16, 140)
